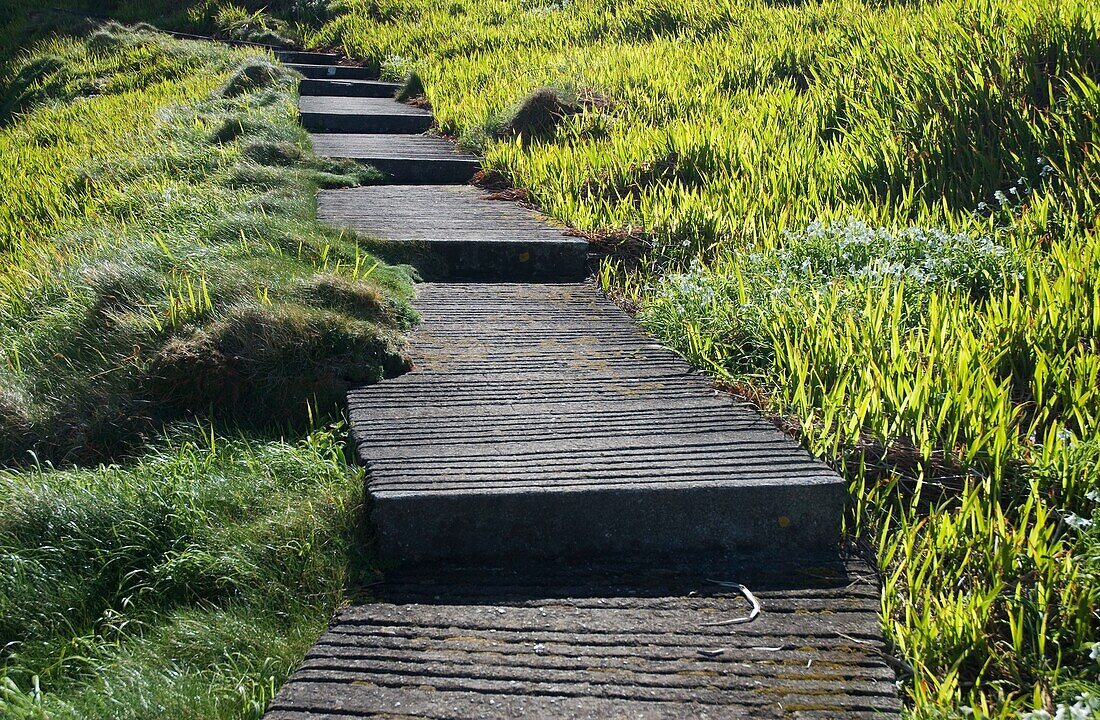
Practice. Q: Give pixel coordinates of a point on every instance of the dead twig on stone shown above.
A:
(748, 596)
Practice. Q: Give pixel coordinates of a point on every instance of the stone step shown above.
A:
(361, 115)
(604, 640)
(404, 159)
(333, 72)
(302, 57)
(506, 464)
(453, 232)
(347, 88)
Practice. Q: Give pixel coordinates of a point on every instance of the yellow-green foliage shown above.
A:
(46, 150)
(159, 258)
(772, 115)
(160, 254)
(943, 348)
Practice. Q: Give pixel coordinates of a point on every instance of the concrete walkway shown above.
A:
(555, 493)
(602, 641)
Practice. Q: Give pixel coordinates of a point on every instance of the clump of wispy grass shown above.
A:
(538, 116)
(165, 259)
(258, 26)
(412, 87)
(258, 74)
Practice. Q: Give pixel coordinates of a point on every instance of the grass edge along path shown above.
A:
(163, 197)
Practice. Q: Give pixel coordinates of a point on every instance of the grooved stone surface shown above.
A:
(463, 234)
(359, 106)
(403, 158)
(361, 115)
(292, 57)
(341, 72)
(603, 642)
(541, 431)
(362, 146)
(350, 88)
(539, 422)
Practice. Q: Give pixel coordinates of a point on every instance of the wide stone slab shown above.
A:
(361, 115)
(539, 422)
(451, 231)
(404, 159)
(292, 57)
(604, 641)
(334, 72)
(347, 88)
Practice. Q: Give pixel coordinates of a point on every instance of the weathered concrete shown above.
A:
(404, 159)
(347, 88)
(457, 233)
(380, 132)
(301, 57)
(333, 72)
(361, 115)
(539, 422)
(603, 641)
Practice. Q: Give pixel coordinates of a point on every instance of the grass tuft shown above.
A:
(279, 361)
(539, 115)
(257, 74)
(412, 87)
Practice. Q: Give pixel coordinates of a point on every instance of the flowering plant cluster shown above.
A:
(929, 258)
(1086, 707)
(843, 259)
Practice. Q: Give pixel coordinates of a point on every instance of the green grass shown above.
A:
(270, 22)
(161, 256)
(187, 584)
(171, 308)
(879, 221)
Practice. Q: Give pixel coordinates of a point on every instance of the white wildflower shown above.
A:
(1077, 522)
(1035, 715)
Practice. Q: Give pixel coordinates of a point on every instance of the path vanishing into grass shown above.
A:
(576, 523)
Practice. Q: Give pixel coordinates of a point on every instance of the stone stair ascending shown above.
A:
(360, 120)
(347, 88)
(539, 423)
(551, 491)
(365, 115)
(335, 72)
(298, 57)
(464, 236)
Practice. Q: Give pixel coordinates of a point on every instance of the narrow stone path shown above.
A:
(554, 493)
